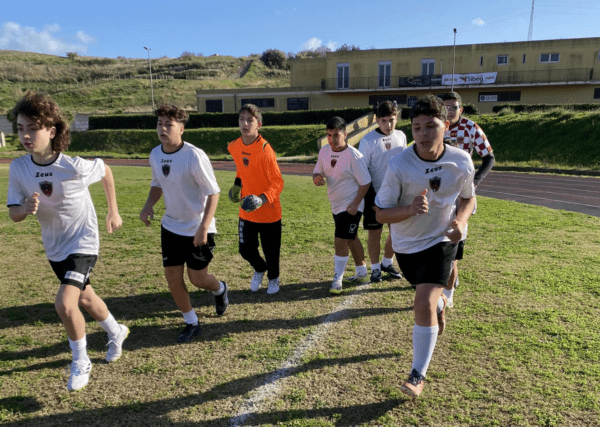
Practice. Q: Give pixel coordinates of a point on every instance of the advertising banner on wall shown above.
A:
(469, 79)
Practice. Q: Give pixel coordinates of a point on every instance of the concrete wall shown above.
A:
(5, 125)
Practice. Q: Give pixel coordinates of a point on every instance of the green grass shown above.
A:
(520, 349)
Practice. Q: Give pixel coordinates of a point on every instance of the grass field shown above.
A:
(522, 345)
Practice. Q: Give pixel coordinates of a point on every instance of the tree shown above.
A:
(274, 58)
(347, 48)
(72, 55)
(186, 55)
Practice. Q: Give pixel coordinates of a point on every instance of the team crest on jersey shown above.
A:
(166, 169)
(388, 145)
(460, 140)
(246, 161)
(46, 187)
(434, 183)
(352, 228)
(333, 162)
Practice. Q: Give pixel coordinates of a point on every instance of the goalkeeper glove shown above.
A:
(234, 193)
(251, 203)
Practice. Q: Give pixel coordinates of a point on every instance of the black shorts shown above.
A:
(369, 221)
(179, 250)
(432, 265)
(346, 225)
(75, 269)
(460, 250)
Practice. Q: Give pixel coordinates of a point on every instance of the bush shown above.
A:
(528, 108)
(274, 58)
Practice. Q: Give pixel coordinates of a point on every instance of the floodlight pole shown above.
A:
(453, 63)
(150, 68)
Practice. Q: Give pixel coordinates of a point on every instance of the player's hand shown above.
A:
(147, 215)
(420, 205)
(318, 180)
(234, 193)
(454, 233)
(352, 208)
(251, 203)
(201, 236)
(31, 204)
(113, 221)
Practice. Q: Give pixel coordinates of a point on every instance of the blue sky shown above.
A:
(238, 28)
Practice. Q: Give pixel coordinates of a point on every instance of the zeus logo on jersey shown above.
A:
(430, 170)
(434, 183)
(166, 169)
(42, 174)
(46, 187)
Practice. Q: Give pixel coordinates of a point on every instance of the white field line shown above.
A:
(526, 196)
(261, 396)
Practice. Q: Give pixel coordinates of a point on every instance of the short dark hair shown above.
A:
(252, 109)
(173, 112)
(429, 105)
(337, 123)
(387, 108)
(450, 96)
(41, 109)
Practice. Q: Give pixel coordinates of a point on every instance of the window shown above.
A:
(524, 58)
(378, 99)
(427, 67)
(214, 105)
(546, 58)
(481, 61)
(597, 93)
(499, 96)
(385, 71)
(502, 60)
(294, 104)
(343, 75)
(260, 102)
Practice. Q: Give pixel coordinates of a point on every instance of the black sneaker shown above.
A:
(189, 332)
(221, 301)
(376, 276)
(391, 271)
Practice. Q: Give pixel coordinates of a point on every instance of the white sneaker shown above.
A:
(358, 279)
(336, 285)
(273, 286)
(115, 345)
(80, 374)
(450, 303)
(256, 281)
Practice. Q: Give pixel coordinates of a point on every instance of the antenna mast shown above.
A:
(531, 22)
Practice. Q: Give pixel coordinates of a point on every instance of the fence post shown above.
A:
(2, 139)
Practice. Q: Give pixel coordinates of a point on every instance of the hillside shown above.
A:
(105, 85)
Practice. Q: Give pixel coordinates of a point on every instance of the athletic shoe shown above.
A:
(256, 281)
(336, 288)
(115, 345)
(80, 374)
(441, 318)
(189, 332)
(359, 280)
(273, 287)
(450, 303)
(456, 283)
(376, 276)
(395, 274)
(414, 386)
(221, 301)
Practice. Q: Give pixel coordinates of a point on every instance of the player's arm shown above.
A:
(275, 179)
(318, 179)
(352, 208)
(485, 151)
(419, 206)
(113, 219)
(18, 213)
(147, 213)
(210, 207)
(487, 163)
(236, 190)
(464, 209)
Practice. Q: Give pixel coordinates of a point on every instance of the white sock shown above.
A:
(440, 306)
(449, 293)
(190, 317)
(375, 267)
(386, 262)
(79, 349)
(361, 270)
(221, 289)
(424, 339)
(110, 326)
(340, 266)
(456, 282)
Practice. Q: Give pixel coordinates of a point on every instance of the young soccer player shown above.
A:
(183, 173)
(377, 147)
(258, 184)
(419, 197)
(54, 187)
(345, 171)
(467, 135)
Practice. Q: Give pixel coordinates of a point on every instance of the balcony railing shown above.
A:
(502, 78)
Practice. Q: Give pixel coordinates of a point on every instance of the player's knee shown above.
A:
(64, 309)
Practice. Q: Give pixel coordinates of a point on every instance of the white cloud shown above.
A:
(315, 43)
(15, 37)
(478, 22)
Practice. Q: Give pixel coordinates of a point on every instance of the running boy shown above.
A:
(348, 179)
(378, 147)
(68, 220)
(418, 197)
(183, 173)
(258, 184)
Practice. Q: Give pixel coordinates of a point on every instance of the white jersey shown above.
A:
(378, 149)
(344, 172)
(65, 212)
(446, 179)
(186, 178)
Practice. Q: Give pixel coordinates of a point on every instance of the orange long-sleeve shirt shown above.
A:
(256, 166)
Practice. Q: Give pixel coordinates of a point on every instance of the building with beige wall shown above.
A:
(532, 72)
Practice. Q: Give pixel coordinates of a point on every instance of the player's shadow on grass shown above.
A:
(153, 413)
